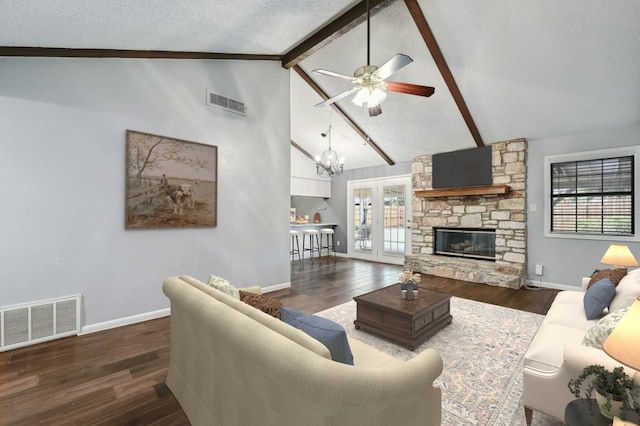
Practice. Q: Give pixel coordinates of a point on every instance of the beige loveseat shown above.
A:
(232, 364)
(557, 353)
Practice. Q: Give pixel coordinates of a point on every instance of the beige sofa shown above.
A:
(557, 353)
(232, 364)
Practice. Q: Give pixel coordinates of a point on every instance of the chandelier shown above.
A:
(329, 165)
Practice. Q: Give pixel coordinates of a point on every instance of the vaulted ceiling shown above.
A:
(501, 69)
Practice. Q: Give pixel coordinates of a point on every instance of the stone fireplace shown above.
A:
(498, 209)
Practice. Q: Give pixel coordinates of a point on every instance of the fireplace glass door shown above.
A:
(471, 243)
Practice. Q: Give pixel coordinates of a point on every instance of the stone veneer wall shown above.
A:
(505, 213)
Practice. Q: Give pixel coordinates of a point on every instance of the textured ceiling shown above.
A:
(525, 69)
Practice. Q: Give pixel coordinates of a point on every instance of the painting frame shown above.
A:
(170, 182)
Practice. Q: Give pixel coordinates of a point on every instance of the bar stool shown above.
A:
(311, 233)
(295, 245)
(328, 232)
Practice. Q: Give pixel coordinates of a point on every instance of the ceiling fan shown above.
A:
(369, 82)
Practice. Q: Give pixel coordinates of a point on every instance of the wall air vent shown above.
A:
(226, 103)
(36, 322)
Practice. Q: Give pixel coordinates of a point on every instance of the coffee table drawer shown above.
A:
(422, 321)
(441, 310)
(427, 318)
(370, 315)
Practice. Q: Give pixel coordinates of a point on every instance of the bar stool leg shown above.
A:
(310, 233)
(329, 246)
(319, 246)
(295, 245)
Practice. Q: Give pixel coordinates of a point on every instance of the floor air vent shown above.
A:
(36, 322)
(226, 103)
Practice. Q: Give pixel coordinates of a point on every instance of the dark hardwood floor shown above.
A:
(116, 377)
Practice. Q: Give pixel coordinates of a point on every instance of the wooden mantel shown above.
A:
(460, 192)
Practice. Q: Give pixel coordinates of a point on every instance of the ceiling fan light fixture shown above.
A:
(369, 97)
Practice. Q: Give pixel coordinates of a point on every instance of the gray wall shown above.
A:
(62, 168)
(565, 261)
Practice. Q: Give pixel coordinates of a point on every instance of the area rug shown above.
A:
(482, 351)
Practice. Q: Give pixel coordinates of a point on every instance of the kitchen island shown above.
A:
(300, 226)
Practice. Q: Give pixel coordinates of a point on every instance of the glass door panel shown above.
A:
(394, 220)
(362, 219)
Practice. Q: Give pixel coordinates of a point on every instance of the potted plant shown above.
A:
(616, 392)
(409, 280)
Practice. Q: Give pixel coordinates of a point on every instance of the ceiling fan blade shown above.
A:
(376, 110)
(334, 74)
(410, 89)
(393, 65)
(337, 97)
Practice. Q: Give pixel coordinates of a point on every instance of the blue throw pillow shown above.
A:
(327, 332)
(598, 297)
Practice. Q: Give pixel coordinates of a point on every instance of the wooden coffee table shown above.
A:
(409, 322)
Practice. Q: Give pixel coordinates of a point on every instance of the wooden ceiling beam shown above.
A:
(333, 30)
(302, 150)
(441, 63)
(58, 52)
(343, 114)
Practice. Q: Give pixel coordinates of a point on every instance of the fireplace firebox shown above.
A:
(472, 243)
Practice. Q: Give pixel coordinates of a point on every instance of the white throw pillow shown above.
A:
(627, 291)
(597, 334)
(224, 286)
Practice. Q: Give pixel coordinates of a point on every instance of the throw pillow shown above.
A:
(224, 286)
(597, 334)
(598, 297)
(266, 304)
(626, 293)
(614, 274)
(327, 332)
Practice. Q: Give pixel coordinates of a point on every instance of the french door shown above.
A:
(379, 219)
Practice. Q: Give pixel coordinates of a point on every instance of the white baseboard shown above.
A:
(276, 287)
(554, 286)
(120, 322)
(93, 328)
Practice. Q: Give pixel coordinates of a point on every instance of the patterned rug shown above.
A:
(482, 350)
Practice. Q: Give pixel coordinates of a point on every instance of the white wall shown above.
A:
(62, 178)
(565, 261)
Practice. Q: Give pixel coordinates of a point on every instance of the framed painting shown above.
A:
(171, 183)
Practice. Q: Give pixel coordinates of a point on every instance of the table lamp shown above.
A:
(623, 343)
(619, 256)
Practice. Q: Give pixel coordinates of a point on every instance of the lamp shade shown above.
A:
(623, 343)
(619, 255)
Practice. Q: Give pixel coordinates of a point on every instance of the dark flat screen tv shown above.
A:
(458, 169)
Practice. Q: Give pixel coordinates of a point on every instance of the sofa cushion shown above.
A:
(598, 297)
(546, 351)
(266, 304)
(597, 334)
(626, 292)
(224, 286)
(614, 274)
(327, 332)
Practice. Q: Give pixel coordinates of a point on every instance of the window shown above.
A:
(593, 196)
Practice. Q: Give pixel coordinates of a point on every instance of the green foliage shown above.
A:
(614, 384)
